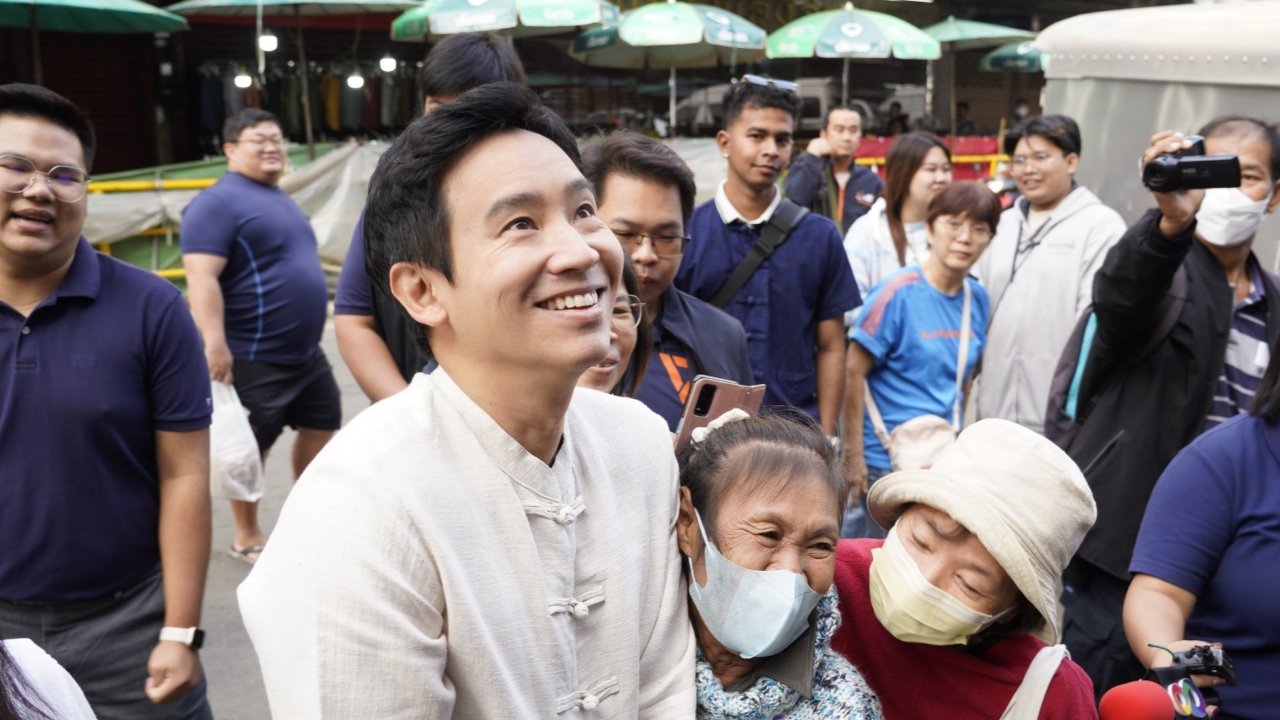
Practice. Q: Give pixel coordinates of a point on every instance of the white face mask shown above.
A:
(755, 613)
(1228, 217)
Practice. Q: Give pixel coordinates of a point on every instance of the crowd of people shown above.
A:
(506, 531)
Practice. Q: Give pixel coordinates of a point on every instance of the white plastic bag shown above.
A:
(235, 465)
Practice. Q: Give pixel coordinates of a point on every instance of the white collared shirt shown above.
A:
(729, 213)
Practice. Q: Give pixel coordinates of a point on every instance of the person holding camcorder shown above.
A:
(1183, 321)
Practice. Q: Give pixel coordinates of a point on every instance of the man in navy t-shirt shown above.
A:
(793, 306)
(259, 297)
(646, 196)
(375, 338)
(104, 440)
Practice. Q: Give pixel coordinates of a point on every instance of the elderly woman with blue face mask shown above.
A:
(759, 521)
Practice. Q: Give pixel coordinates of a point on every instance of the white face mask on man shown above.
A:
(755, 613)
(1228, 217)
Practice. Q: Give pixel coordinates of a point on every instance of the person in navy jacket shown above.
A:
(646, 196)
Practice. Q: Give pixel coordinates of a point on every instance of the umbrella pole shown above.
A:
(844, 83)
(306, 92)
(671, 109)
(951, 66)
(928, 88)
(37, 71)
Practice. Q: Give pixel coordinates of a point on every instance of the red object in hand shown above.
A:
(1138, 700)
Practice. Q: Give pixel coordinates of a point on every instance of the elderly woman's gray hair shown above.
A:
(762, 454)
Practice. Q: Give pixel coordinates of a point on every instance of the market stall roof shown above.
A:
(1224, 44)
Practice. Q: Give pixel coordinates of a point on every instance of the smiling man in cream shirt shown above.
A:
(489, 542)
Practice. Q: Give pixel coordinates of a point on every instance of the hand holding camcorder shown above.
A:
(1191, 169)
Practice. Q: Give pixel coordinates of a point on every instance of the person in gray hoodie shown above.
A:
(1039, 269)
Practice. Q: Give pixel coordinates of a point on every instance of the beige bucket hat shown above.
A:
(1019, 493)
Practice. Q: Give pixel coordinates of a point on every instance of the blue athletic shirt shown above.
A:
(273, 287)
(1212, 527)
(86, 380)
(913, 332)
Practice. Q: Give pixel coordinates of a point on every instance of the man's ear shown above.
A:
(416, 289)
(1073, 163)
(1275, 197)
(722, 142)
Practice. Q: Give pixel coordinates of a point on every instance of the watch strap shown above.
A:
(192, 637)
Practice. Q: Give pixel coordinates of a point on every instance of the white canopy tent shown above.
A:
(1125, 75)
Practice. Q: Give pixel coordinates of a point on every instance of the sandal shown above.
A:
(249, 554)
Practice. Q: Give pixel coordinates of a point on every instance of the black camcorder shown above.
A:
(1191, 169)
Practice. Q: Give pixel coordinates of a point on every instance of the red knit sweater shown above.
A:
(922, 682)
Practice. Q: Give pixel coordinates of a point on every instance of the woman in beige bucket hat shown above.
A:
(950, 615)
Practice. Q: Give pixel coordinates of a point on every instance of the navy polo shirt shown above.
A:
(273, 287)
(805, 281)
(354, 295)
(85, 381)
(1212, 527)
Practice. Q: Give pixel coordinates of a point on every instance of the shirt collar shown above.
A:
(729, 213)
(792, 667)
(1258, 291)
(83, 278)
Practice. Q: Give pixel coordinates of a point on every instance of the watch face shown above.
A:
(197, 640)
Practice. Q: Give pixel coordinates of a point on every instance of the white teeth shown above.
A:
(572, 301)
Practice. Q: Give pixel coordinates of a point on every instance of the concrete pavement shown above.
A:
(235, 681)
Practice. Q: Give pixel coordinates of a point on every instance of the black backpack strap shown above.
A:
(785, 219)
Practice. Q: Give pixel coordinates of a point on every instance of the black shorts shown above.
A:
(300, 396)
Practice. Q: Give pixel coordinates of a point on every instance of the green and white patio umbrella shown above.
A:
(296, 8)
(851, 33)
(1015, 57)
(518, 18)
(672, 35)
(84, 16)
(958, 35)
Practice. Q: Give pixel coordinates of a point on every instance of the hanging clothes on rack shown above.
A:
(387, 101)
(370, 108)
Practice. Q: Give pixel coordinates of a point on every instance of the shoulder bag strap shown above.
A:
(1029, 697)
(877, 422)
(957, 414)
(785, 219)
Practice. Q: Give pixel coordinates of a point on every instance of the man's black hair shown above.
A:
(244, 120)
(33, 101)
(465, 61)
(642, 157)
(744, 94)
(1245, 125)
(826, 121)
(1060, 130)
(406, 217)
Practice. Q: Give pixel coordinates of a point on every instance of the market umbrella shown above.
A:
(1015, 57)
(968, 35)
(518, 18)
(84, 16)
(848, 34)
(672, 35)
(296, 8)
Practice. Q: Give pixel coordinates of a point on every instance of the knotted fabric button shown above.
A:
(590, 702)
(580, 609)
(565, 515)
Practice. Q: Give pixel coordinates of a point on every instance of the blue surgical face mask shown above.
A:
(755, 613)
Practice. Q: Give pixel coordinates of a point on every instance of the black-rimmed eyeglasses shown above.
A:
(663, 245)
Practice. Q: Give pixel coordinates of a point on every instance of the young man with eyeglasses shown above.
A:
(1039, 269)
(825, 177)
(259, 297)
(104, 440)
(792, 304)
(646, 196)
